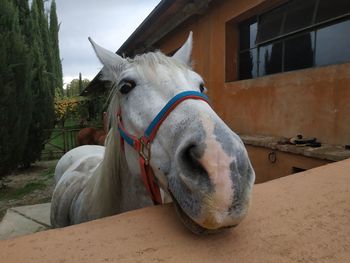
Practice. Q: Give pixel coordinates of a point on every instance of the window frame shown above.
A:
(282, 37)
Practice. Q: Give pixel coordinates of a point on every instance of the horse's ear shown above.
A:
(110, 60)
(184, 53)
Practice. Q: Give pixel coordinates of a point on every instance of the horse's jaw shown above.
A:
(191, 224)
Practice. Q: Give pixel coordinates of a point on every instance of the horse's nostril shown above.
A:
(190, 158)
(192, 172)
(190, 152)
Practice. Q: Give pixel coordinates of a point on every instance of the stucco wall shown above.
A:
(313, 102)
(302, 218)
(268, 169)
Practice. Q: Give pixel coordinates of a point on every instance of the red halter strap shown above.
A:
(143, 144)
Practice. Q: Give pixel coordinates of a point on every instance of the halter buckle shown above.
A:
(145, 150)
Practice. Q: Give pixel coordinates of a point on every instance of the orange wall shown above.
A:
(313, 102)
(265, 170)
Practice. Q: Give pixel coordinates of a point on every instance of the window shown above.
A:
(248, 64)
(248, 34)
(299, 34)
(270, 58)
(270, 25)
(248, 55)
(329, 9)
(299, 51)
(299, 15)
(333, 44)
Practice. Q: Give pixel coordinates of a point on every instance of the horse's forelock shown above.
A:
(145, 62)
(147, 67)
(152, 59)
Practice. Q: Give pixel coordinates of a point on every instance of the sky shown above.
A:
(108, 22)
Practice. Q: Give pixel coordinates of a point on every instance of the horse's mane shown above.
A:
(112, 165)
(113, 159)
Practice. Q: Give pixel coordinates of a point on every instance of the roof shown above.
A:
(166, 16)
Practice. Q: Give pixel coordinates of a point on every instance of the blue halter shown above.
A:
(172, 103)
(143, 144)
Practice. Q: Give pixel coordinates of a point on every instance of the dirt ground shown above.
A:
(27, 187)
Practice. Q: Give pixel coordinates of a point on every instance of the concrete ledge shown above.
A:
(325, 152)
(298, 218)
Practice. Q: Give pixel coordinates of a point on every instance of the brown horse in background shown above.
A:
(91, 136)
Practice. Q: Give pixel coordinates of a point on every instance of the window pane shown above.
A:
(328, 9)
(299, 52)
(247, 31)
(270, 24)
(333, 44)
(270, 59)
(248, 64)
(299, 15)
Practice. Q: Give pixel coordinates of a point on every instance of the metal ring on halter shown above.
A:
(145, 150)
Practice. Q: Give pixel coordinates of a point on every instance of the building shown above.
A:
(274, 69)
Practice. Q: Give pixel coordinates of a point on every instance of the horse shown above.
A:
(165, 142)
(91, 136)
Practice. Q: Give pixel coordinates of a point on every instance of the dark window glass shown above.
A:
(333, 44)
(270, 25)
(247, 32)
(299, 14)
(296, 35)
(270, 59)
(328, 9)
(299, 52)
(248, 64)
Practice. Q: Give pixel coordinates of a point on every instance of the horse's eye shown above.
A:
(126, 86)
(201, 87)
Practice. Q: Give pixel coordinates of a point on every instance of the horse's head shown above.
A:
(195, 157)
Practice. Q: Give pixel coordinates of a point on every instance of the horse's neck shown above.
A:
(113, 188)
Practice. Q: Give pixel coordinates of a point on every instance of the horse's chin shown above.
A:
(191, 224)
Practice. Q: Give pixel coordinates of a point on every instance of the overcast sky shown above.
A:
(108, 22)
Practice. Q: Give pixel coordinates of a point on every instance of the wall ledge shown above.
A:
(300, 218)
(325, 152)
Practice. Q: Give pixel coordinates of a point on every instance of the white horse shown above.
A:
(195, 157)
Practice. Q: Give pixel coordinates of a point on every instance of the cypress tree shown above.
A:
(41, 86)
(54, 28)
(50, 69)
(26, 115)
(24, 18)
(15, 94)
(80, 84)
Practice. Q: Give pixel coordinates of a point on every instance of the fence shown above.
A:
(60, 142)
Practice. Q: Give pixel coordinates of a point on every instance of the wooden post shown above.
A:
(64, 141)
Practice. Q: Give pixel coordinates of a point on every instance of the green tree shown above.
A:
(75, 87)
(15, 93)
(25, 117)
(54, 28)
(49, 61)
(42, 85)
(24, 18)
